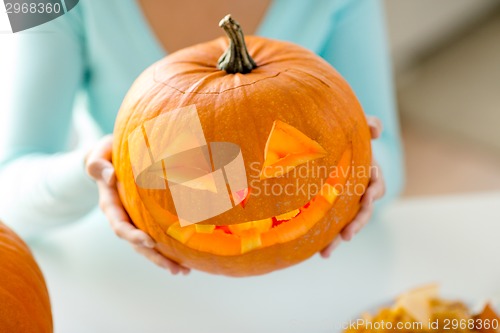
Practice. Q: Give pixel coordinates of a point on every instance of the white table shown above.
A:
(99, 285)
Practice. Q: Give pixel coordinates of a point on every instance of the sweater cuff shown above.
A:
(70, 181)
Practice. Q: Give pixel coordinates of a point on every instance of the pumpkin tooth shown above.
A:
(250, 240)
(239, 228)
(182, 234)
(204, 228)
(261, 225)
(288, 216)
(329, 192)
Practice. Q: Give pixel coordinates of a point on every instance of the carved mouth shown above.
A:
(240, 238)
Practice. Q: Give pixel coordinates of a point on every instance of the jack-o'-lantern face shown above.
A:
(240, 168)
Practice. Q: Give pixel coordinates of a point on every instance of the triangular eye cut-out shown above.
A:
(287, 148)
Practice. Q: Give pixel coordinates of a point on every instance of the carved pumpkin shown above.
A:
(24, 300)
(295, 123)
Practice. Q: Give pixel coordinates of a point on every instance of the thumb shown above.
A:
(98, 161)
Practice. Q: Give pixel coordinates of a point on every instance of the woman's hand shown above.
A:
(99, 167)
(374, 191)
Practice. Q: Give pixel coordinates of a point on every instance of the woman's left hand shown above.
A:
(99, 167)
(374, 191)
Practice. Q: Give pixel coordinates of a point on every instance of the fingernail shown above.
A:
(106, 175)
(149, 243)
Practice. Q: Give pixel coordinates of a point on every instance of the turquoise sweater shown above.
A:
(100, 47)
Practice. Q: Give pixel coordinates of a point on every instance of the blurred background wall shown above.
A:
(447, 67)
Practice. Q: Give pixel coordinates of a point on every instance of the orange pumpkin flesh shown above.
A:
(24, 300)
(293, 111)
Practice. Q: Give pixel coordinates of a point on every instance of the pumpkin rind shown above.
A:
(24, 300)
(290, 85)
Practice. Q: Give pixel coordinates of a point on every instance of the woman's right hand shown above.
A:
(98, 166)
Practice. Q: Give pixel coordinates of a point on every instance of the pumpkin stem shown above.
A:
(236, 58)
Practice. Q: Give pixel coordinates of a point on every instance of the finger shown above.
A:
(109, 202)
(101, 170)
(327, 251)
(376, 171)
(374, 192)
(375, 126)
(118, 218)
(162, 261)
(376, 188)
(357, 224)
(126, 231)
(98, 162)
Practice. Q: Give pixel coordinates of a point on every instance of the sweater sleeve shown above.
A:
(357, 48)
(42, 183)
